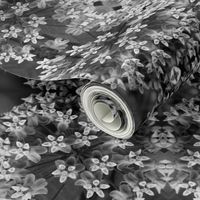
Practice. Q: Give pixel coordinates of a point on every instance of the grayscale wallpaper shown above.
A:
(146, 54)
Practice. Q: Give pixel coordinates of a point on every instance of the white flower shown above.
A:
(6, 170)
(3, 15)
(57, 43)
(21, 150)
(7, 54)
(24, 150)
(198, 138)
(104, 165)
(42, 3)
(89, 52)
(57, 144)
(36, 21)
(102, 57)
(84, 139)
(96, 187)
(190, 188)
(63, 172)
(135, 28)
(75, 50)
(4, 148)
(177, 12)
(47, 110)
(160, 37)
(32, 36)
(103, 38)
(20, 191)
(136, 46)
(197, 193)
(20, 8)
(43, 64)
(27, 188)
(50, 66)
(65, 118)
(11, 32)
(124, 40)
(93, 186)
(123, 143)
(88, 126)
(193, 158)
(26, 55)
(117, 143)
(16, 124)
(135, 158)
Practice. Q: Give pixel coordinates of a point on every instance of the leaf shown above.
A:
(189, 152)
(66, 149)
(175, 75)
(122, 165)
(41, 191)
(34, 157)
(117, 195)
(59, 162)
(87, 175)
(131, 178)
(29, 180)
(80, 182)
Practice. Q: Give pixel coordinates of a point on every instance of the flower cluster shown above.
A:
(49, 134)
(55, 141)
(78, 39)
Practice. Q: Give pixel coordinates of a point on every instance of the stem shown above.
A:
(51, 132)
(47, 162)
(57, 193)
(91, 34)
